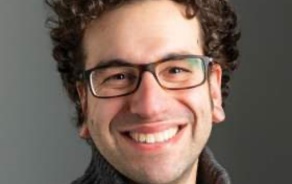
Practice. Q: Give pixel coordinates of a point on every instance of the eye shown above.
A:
(117, 77)
(119, 80)
(175, 74)
(175, 70)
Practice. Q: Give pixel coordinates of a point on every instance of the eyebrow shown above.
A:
(175, 55)
(118, 62)
(112, 63)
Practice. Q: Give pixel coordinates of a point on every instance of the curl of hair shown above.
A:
(217, 18)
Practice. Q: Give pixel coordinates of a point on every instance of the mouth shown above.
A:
(156, 137)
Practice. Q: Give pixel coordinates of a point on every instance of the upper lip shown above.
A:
(152, 127)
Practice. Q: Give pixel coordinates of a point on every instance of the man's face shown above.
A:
(142, 33)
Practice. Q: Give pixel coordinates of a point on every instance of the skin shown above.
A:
(145, 32)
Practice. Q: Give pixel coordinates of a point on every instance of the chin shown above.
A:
(158, 173)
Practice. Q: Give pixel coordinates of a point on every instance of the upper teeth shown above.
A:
(155, 137)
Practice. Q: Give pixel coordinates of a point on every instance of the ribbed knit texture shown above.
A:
(210, 171)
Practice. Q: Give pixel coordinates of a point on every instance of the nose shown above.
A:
(150, 100)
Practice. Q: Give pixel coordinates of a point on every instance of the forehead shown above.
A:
(141, 32)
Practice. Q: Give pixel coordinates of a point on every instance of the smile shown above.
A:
(152, 138)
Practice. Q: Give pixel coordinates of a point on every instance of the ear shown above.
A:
(82, 93)
(84, 131)
(218, 114)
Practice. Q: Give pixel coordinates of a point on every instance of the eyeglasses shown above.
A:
(117, 78)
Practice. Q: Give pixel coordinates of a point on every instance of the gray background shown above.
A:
(39, 144)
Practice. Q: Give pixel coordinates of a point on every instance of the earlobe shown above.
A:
(218, 114)
(84, 131)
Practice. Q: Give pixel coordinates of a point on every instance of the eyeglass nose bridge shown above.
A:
(147, 68)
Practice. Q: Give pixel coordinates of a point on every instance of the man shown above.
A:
(146, 79)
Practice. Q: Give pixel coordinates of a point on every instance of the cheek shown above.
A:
(100, 108)
(101, 112)
(199, 102)
(100, 115)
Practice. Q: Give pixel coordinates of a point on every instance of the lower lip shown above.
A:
(150, 147)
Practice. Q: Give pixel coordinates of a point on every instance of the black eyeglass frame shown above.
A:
(150, 68)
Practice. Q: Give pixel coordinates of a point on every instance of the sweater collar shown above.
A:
(210, 171)
(101, 172)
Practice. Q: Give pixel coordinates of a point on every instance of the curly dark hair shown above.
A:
(71, 17)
